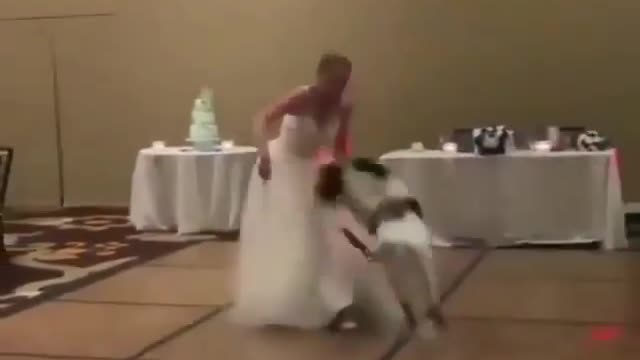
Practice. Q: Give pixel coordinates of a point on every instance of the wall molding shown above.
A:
(12, 10)
(31, 207)
(50, 206)
(96, 205)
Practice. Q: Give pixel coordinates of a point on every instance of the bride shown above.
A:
(293, 266)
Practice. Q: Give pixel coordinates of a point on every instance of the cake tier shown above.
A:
(202, 117)
(203, 132)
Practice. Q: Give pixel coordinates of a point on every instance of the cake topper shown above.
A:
(204, 102)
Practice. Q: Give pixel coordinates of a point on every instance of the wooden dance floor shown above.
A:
(501, 304)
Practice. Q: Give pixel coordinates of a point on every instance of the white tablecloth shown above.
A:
(191, 191)
(523, 197)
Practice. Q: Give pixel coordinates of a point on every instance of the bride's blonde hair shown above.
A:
(330, 60)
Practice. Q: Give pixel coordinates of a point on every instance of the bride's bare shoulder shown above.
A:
(297, 101)
(302, 93)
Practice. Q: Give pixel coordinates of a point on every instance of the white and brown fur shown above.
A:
(403, 242)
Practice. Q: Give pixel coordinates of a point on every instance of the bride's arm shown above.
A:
(267, 123)
(342, 147)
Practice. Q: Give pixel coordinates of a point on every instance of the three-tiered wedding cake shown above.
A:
(203, 132)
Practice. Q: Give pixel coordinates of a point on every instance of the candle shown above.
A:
(542, 145)
(417, 146)
(158, 144)
(227, 144)
(450, 147)
(553, 135)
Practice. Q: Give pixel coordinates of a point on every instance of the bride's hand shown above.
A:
(264, 167)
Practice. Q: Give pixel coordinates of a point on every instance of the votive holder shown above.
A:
(450, 147)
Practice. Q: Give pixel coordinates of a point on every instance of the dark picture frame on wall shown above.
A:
(6, 160)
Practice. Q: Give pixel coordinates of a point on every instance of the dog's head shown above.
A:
(362, 178)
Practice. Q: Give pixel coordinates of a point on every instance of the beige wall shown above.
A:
(26, 114)
(422, 67)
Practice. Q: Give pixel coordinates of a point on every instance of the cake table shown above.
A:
(178, 188)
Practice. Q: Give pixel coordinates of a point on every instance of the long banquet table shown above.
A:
(522, 197)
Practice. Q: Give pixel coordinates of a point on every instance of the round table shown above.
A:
(521, 197)
(178, 188)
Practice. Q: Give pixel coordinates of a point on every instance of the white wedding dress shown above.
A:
(294, 268)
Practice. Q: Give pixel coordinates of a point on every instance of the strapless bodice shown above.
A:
(301, 135)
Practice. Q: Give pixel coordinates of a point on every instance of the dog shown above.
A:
(384, 207)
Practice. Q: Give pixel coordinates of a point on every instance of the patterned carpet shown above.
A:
(59, 252)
